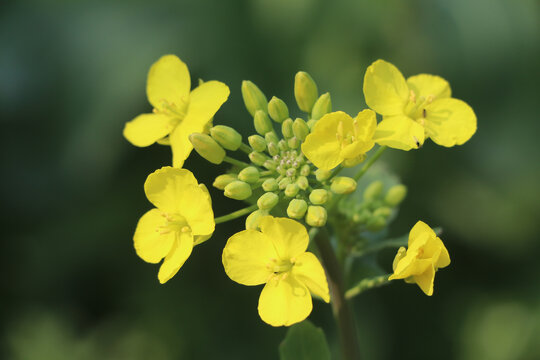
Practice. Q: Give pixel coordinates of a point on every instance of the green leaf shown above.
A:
(304, 341)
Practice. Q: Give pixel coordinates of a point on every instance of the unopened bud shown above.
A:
(300, 129)
(257, 158)
(354, 161)
(226, 136)
(383, 211)
(207, 147)
(305, 91)
(318, 196)
(262, 122)
(270, 165)
(283, 183)
(277, 109)
(273, 149)
(271, 137)
(287, 128)
(252, 221)
(311, 123)
(395, 195)
(270, 185)
(293, 142)
(291, 190)
(297, 208)
(302, 182)
(249, 174)
(316, 216)
(362, 216)
(343, 185)
(322, 174)
(267, 201)
(305, 170)
(373, 190)
(257, 143)
(238, 190)
(376, 223)
(223, 180)
(254, 98)
(322, 106)
(282, 145)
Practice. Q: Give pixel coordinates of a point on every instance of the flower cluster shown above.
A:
(289, 178)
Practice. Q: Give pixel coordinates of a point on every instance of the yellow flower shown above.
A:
(337, 138)
(419, 263)
(177, 111)
(415, 109)
(276, 256)
(183, 217)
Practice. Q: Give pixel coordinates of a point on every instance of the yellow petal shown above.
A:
(399, 132)
(150, 244)
(444, 257)
(177, 257)
(205, 101)
(194, 206)
(168, 82)
(202, 238)
(418, 230)
(166, 186)
(308, 270)
(284, 302)
(322, 147)
(385, 88)
(425, 85)
(146, 129)
(290, 238)
(450, 122)
(410, 265)
(246, 257)
(425, 280)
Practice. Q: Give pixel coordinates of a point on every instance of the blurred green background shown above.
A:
(73, 72)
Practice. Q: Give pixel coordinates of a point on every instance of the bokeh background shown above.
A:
(73, 72)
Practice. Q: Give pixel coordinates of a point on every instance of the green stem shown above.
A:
(245, 148)
(342, 312)
(235, 214)
(367, 284)
(370, 162)
(336, 171)
(235, 162)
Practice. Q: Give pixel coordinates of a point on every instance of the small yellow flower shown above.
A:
(418, 264)
(337, 138)
(177, 111)
(183, 217)
(415, 109)
(276, 256)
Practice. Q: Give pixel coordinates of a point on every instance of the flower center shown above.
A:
(348, 137)
(280, 266)
(177, 111)
(173, 223)
(289, 161)
(416, 107)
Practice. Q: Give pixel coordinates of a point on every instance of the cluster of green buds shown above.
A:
(278, 178)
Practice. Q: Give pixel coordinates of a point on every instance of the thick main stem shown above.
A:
(340, 307)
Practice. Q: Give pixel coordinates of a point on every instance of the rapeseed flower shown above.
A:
(337, 138)
(415, 109)
(177, 111)
(183, 217)
(418, 263)
(276, 256)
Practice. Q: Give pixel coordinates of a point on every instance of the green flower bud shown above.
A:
(257, 158)
(302, 182)
(395, 195)
(305, 170)
(322, 106)
(316, 216)
(322, 175)
(254, 98)
(262, 122)
(226, 136)
(297, 208)
(249, 174)
(305, 91)
(252, 221)
(293, 142)
(238, 190)
(287, 128)
(373, 190)
(271, 137)
(311, 123)
(273, 149)
(343, 185)
(376, 223)
(223, 180)
(282, 145)
(290, 172)
(318, 196)
(277, 109)
(270, 165)
(270, 185)
(354, 161)
(362, 217)
(207, 147)
(283, 183)
(300, 129)
(384, 212)
(257, 143)
(291, 190)
(267, 201)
